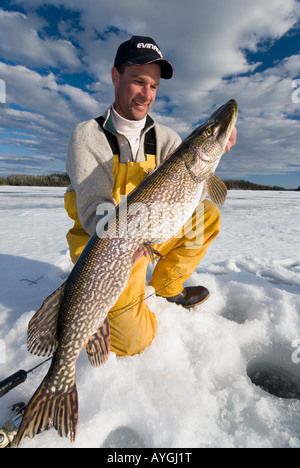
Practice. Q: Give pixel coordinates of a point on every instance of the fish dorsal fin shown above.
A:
(216, 189)
(98, 345)
(42, 336)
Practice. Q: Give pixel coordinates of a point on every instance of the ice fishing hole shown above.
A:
(274, 379)
(124, 437)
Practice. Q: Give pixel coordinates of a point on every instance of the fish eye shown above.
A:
(208, 132)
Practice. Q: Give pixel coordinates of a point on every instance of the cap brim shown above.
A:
(166, 66)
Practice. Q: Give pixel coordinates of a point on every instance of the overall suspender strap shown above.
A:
(112, 139)
(150, 139)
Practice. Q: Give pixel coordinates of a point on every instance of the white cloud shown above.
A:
(20, 41)
(41, 107)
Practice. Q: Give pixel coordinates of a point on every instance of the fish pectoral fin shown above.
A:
(42, 338)
(152, 252)
(98, 345)
(216, 189)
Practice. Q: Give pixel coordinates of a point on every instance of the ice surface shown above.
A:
(191, 386)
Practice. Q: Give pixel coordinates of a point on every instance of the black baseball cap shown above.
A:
(141, 50)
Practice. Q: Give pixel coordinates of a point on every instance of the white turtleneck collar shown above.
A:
(131, 129)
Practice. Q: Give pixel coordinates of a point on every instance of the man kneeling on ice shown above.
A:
(111, 155)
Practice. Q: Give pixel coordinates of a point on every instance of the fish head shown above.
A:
(206, 144)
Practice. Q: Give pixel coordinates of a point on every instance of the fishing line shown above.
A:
(142, 300)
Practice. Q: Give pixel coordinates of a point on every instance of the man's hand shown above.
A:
(232, 140)
(141, 251)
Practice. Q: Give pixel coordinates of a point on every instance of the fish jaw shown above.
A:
(205, 146)
(203, 150)
(224, 120)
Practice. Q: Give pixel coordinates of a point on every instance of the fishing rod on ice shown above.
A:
(16, 379)
(10, 428)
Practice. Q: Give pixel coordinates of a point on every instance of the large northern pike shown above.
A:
(76, 314)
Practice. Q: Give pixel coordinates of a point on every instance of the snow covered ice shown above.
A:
(205, 380)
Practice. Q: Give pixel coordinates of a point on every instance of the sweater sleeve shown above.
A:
(89, 167)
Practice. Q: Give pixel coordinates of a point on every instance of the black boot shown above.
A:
(190, 296)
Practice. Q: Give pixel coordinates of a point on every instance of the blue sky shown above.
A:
(56, 57)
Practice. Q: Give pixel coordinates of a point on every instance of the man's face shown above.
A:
(135, 90)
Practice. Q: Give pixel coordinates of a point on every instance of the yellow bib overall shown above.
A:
(132, 324)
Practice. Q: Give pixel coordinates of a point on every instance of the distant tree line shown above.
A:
(53, 180)
(62, 180)
(237, 184)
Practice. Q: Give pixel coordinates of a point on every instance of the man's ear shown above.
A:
(115, 76)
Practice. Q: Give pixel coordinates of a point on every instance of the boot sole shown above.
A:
(194, 305)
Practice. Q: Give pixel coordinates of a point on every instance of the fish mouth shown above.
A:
(224, 119)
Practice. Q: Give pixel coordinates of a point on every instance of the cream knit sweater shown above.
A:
(90, 163)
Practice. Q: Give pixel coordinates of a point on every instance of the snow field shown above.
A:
(191, 387)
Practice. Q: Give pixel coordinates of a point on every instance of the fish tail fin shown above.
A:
(48, 409)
